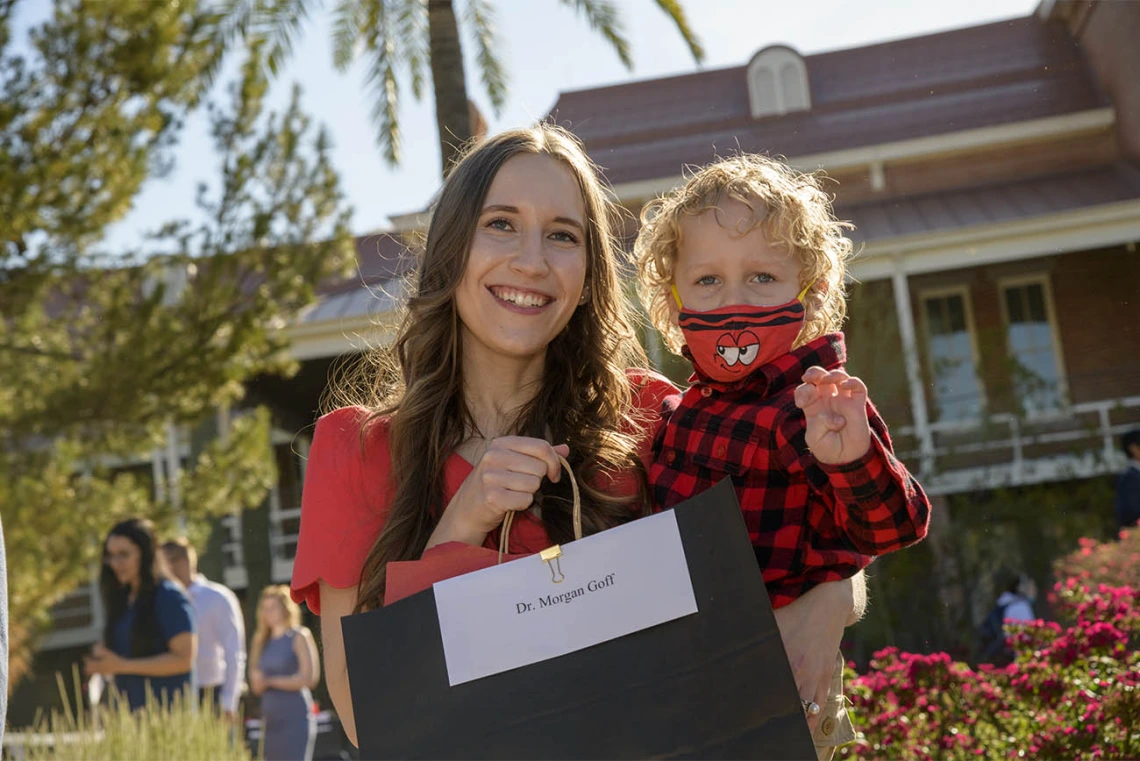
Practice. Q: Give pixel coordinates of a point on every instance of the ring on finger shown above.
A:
(811, 708)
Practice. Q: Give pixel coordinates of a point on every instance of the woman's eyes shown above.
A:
(504, 225)
(498, 223)
(564, 236)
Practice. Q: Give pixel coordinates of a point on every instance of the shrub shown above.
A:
(178, 730)
(1073, 691)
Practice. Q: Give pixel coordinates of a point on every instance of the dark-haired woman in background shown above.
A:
(148, 638)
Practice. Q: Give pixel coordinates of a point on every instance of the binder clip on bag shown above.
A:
(551, 555)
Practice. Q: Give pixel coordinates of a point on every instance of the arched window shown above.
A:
(778, 82)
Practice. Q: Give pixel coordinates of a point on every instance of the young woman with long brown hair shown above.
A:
(514, 350)
(283, 669)
(149, 638)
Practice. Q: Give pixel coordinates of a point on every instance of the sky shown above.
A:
(547, 49)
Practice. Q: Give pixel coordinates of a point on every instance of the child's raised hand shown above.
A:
(835, 406)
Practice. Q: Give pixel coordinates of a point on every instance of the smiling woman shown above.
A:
(513, 352)
(527, 266)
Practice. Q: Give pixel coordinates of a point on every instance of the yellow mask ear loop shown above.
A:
(800, 298)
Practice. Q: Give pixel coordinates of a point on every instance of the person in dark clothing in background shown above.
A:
(1128, 484)
(149, 637)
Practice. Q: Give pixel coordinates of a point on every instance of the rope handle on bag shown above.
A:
(508, 519)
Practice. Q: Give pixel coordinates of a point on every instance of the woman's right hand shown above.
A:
(256, 681)
(504, 480)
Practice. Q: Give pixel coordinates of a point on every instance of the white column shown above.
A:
(913, 367)
(174, 473)
(157, 462)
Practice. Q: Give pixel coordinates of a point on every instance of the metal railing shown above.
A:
(1082, 439)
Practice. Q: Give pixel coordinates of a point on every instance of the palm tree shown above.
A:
(399, 37)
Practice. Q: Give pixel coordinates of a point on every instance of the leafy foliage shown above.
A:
(1072, 692)
(392, 36)
(102, 351)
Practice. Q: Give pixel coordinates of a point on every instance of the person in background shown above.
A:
(220, 665)
(283, 669)
(1128, 484)
(148, 639)
(1014, 604)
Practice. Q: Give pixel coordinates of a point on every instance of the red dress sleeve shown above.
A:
(444, 561)
(651, 391)
(343, 505)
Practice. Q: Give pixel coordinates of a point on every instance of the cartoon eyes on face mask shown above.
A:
(743, 348)
(749, 347)
(730, 354)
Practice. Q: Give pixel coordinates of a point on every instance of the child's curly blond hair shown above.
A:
(790, 207)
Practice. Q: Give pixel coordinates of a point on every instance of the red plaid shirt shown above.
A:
(809, 522)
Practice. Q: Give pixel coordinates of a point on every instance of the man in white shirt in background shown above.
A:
(220, 666)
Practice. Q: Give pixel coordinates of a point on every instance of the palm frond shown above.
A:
(673, 9)
(603, 17)
(415, 52)
(382, 80)
(349, 19)
(494, 76)
(279, 23)
(233, 19)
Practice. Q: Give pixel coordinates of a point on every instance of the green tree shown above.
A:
(101, 351)
(402, 39)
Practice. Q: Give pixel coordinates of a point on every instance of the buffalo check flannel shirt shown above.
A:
(809, 522)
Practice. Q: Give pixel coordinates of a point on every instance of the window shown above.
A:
(952, 354)
(1034, 348)
(77, 619)
(778, 82)
(290, 454)
(235, 575)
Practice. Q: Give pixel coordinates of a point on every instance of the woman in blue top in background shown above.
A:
(148, 639)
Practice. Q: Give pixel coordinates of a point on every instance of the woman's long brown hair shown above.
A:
(280, 593)
(584, 398)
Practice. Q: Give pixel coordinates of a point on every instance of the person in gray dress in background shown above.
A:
(283, 668)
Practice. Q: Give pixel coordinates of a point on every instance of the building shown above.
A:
(993, 176)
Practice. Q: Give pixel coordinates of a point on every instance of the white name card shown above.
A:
(610, 584)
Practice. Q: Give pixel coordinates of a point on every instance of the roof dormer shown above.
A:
(777, 82)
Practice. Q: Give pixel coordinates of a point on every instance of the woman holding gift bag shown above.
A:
(513, 353)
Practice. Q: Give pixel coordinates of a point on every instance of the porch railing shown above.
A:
(1077, 441)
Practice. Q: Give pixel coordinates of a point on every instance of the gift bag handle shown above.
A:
(505, 531)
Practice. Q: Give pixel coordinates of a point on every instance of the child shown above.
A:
(741, 270)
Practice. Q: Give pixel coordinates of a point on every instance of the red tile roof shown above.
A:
(380, 257)
(982, 205)
(968, 78)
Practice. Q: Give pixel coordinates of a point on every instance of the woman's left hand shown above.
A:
(102, 661)
(812, 628)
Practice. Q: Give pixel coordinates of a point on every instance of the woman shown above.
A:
(283, 669)
(149, 638)
(513, 351)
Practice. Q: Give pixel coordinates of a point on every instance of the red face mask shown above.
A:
(729, 343)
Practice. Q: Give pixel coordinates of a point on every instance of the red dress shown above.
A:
(345, 504)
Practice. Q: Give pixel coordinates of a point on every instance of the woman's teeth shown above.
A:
(521, 298)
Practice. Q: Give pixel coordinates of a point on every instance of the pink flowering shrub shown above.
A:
(1073, 691)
